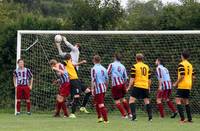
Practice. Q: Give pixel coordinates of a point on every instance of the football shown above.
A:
(58, 38)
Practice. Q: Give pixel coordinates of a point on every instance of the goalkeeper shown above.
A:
(75, 51)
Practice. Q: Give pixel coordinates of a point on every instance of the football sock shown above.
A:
(74, 104)
(104, 113)
(188, 111)
(28, 106)
(58, 107)
(98, 111)
(64, 108)
(18, 106)
(86, 99)
(171, 106)
(121, 109)
(149, 111)
(181, 112)
(133, 107)
(161, 110)
(126, 107)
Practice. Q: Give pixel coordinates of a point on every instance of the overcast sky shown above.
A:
(124, 2)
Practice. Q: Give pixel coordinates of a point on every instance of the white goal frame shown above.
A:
(155, 32)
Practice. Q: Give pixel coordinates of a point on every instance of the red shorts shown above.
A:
(118, 92)
(64, 89)
(164, 94)
(99, 98)
(23, 92)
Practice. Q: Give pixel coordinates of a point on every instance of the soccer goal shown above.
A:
(37, 47)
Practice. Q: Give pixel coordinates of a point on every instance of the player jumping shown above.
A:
(75, 52)
(164, 89)
(118, 74)
(23, 81)
(99, 85)
(64, 89)
(184, 86)
(141, 80)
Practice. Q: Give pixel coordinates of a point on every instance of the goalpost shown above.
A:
(36, 47)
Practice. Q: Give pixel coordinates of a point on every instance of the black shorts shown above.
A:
(77, 87)
(183, 93)
(140, 93)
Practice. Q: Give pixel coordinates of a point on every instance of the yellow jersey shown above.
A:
(141, 74)
(185, 69)
(71, 70)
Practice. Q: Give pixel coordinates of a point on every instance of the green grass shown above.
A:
(45, 122)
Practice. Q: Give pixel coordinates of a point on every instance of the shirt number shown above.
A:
(143, 71)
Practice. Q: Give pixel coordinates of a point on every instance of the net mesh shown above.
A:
(152, 46)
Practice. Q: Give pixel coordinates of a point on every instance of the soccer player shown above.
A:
(184, 86)
(75, 52)
(64, 89)
(141, 82)
(76, 86)
(23, 81)
(118, 74)
(164, 89)
(99, 85)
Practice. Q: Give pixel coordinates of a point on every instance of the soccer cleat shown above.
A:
(130, 115)
(83, 109)
(174, 115)
(134, 118)
(124, 117)
(18, 113)
(182, 121)
(106, 122)
(72, 116)
(28, 113)
(65, 116)
(150, 119)
(190, 121)
(100, 120)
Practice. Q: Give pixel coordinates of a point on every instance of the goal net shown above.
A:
(37, 48)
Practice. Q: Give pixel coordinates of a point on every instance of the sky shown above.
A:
(124, 2)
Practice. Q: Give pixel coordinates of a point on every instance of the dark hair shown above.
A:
(19, 60)
(117, 56)
(97, 58)
(79, 46)
(160, 60)
(67, 56)
(139, 56)
(185, 54)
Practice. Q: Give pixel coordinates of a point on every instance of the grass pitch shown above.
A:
(45, 122)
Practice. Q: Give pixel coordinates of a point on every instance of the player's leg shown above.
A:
(159, 103)
(132, 99)
(27, 98)
(117, 95)
(19, 96)
(170, 103)
(75, 102)
(179, 95)
(59, 102)
(102, 107)
(86, 98)
(145, 96)
(126, 107)
(187, 106)
(98, 111)
(65, 91)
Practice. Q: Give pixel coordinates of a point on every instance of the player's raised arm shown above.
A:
(68, 44)
(80, 63)
(58, 40)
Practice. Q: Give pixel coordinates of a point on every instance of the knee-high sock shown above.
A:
(126, 107)
(188, 111)
(28, 106)
(181, 112)
(161, 110)
(58, 107)
(149, 110)
(74, 104)
(86, 99)
(171, 106)
(98, 111)
(121, 109)
(18, 106)
(104, 113)
(133, 109)
(64, 108)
